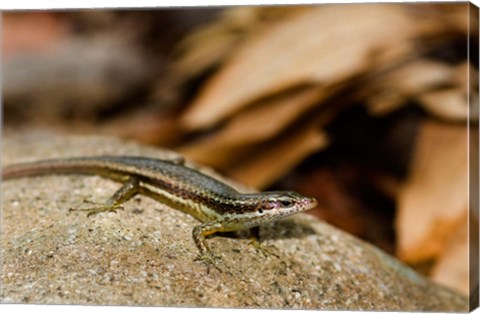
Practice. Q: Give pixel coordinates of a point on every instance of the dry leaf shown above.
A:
(257, 123)
(213, 43)
(455, 17)
(392, 90)
(434, 198)
(451, 269)
(202, 51)
(219, 157)
(273, 161)
(452, 103)
(264, 121)
(421, 75)
(449, 104)
(325, 44)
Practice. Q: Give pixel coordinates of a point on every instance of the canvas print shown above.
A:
(317, 157)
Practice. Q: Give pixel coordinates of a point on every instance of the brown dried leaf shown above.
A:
(465, 74)
(264, 121)
(434, 198)
(451, 269)
(217, 41)
(455, 16)
(213, 43)
(442, 20)
(219, 157)
(257, 123)
(393, 89)
(325, 44)
(450, 104)
(276, 159)
(421, 75)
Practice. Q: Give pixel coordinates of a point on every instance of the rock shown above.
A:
(144, 255)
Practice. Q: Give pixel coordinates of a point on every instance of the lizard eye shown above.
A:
(271, 205)
(286, 203)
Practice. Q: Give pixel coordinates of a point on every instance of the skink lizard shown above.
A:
(218, 207)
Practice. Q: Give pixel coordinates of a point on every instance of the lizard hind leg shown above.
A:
(127, 191)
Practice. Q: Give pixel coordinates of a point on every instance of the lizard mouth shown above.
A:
(308, 203)
(303, 204)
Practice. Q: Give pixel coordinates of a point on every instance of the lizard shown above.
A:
(218, 207)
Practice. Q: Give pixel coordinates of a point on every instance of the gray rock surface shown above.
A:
(144, 254)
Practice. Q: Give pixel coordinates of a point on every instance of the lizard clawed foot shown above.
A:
(210, 260)
(266, 251)
(98, 209)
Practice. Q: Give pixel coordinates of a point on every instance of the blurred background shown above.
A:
(366, 107)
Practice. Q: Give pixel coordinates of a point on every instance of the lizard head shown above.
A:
(284, 203)
(267, 206)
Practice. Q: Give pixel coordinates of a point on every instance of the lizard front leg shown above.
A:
(200, 233)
